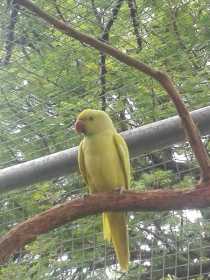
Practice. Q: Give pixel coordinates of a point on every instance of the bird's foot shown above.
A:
(85, 196)
(121, 190)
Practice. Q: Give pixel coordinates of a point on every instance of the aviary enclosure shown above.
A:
(146, 63)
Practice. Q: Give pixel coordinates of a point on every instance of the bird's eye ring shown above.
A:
(90, 118)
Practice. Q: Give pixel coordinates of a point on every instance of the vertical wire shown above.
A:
(188, 260)
(201, 255)
(105, 256)
(140, 264)
(176, 258)
(163, 266)
(83, 248)
(94, 248)
(151, 261)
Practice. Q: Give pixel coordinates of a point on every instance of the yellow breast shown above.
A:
(102, 163)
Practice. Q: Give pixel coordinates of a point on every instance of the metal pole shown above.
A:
(141, 140)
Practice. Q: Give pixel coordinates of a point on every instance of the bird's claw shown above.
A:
(85, 196)
(121, 190)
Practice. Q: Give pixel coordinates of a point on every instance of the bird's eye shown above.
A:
(90, 118)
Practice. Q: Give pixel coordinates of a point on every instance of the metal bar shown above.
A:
(157, 135)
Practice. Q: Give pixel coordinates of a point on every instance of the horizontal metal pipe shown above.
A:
(147, 138)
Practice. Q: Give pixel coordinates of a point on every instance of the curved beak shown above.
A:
(80, 126)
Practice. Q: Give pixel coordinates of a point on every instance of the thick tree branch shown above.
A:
(69, 211)
(189, 125)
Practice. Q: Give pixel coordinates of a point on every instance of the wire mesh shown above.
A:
(48, 78)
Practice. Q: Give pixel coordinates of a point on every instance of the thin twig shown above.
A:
(136, 26)
(10, 33)
(97, 14)
(59, 11)
(105, 38)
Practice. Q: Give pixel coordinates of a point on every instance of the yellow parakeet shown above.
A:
(104, 163)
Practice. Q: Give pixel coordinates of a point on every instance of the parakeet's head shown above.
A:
(91, 122)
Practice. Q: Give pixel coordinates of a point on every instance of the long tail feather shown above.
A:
(106, 227)
(115, 229)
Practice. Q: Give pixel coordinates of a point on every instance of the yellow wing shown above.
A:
(123, 153)
(81, 162)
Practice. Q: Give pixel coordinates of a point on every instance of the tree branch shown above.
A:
(134, 17)
(189, 126)
(9, 33)
(72, 210)
(187, 121)
(111, 20)
(59, 11)
(97, 14)
(105, 38)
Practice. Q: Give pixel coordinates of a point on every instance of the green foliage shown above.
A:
(156, 180)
